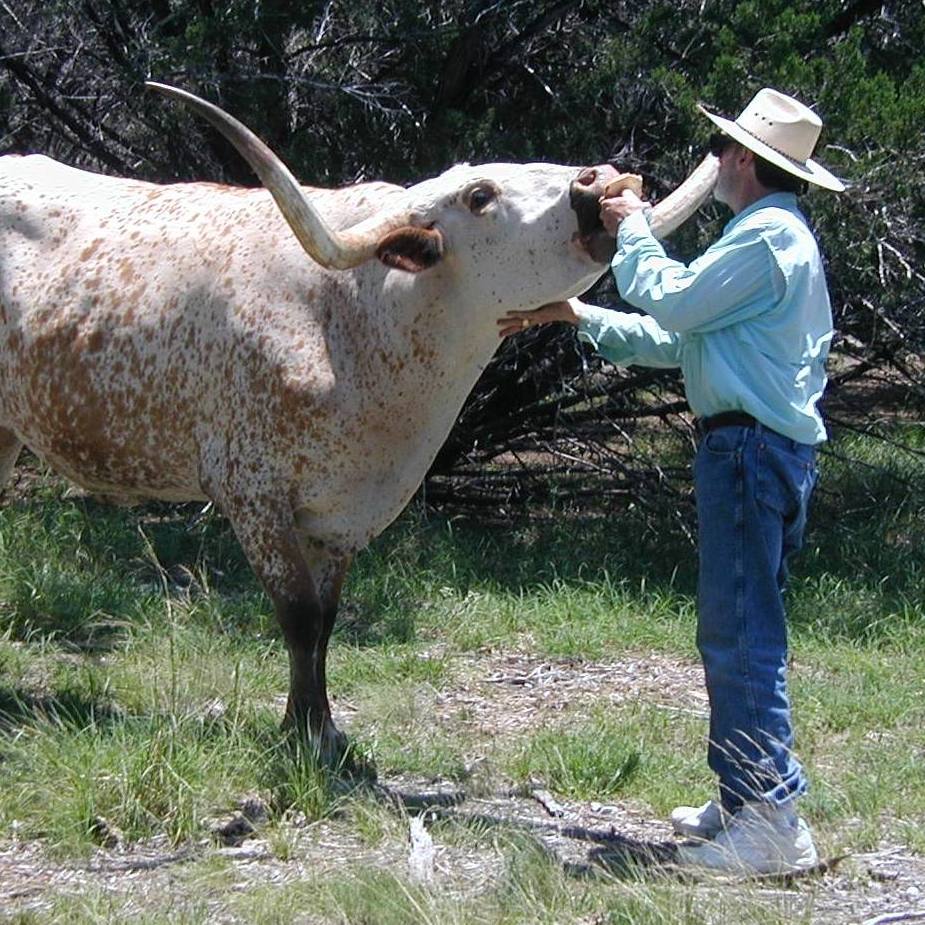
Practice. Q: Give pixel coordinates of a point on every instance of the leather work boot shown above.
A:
(760, 838)
(703, 822)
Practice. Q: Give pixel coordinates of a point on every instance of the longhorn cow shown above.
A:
(175, 342)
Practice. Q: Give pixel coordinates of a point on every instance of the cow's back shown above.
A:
(117, 321)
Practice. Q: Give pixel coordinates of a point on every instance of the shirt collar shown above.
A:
(776, 200)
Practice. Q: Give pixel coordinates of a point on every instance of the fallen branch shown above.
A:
(896, 917)
(548, 802)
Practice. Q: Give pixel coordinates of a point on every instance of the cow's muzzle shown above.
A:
(585, 195)
(671, 212)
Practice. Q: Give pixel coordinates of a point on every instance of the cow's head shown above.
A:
(415, 235)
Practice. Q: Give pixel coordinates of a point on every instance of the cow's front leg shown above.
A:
(307, 627)
(308, 712)
(304, 584)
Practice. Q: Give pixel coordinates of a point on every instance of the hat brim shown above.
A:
(810, 171)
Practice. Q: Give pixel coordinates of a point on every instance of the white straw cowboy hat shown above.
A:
(781, 130)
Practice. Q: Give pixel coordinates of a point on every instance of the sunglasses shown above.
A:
(718, 143)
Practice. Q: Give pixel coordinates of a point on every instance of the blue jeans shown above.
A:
(753, 487)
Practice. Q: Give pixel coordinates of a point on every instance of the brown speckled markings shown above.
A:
(175, 342)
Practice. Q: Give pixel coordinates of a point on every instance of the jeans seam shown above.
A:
(741, 610)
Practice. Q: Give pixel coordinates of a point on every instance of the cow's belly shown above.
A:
(123, 480)
(122, 477)
(109, 448)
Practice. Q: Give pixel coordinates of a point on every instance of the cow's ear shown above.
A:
(412, 249)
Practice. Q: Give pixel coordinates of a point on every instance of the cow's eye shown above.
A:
(481, 197)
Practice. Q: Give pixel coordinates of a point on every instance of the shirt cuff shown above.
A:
(632, 228)
(592, 322)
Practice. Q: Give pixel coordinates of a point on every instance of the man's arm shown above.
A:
(623, 338)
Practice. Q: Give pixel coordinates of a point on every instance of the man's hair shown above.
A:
(776, 178)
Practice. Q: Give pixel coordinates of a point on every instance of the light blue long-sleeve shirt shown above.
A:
(749, 322)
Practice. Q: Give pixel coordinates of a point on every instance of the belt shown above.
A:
(725, 419)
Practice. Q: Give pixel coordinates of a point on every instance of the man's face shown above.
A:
(729, 177)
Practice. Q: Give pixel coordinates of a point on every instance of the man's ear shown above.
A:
(411, 249)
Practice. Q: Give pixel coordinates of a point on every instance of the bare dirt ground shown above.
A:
(498, 694)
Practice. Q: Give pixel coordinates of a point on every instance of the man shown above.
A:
(749, 323)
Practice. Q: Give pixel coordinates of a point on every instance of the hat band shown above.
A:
(774, 148)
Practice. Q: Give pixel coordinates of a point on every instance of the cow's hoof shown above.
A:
(345, 760)
(356, 766)
(334, 752)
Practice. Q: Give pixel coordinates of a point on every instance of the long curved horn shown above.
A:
(339, 250)
(677, 207)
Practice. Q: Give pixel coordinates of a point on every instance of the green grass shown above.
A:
(142, 681)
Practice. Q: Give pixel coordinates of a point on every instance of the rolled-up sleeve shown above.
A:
(627, 339)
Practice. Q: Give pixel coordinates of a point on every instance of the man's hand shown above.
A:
(515, 322)
(616, 208)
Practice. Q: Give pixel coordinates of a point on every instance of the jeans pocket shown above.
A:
(786, 477)
(724, 441)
